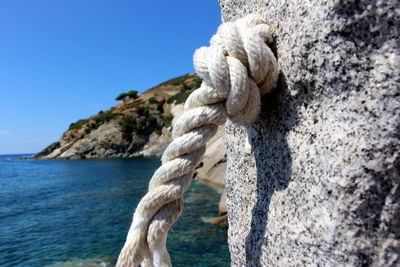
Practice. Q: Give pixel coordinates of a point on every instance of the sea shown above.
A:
(78, 212)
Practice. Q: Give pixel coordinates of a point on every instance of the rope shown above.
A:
(235, 69)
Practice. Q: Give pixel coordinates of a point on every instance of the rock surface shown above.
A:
(211, 171)
(315, 181)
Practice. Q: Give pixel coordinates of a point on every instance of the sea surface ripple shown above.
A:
(77, 213)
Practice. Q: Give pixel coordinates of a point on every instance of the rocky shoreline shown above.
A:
(141, 126)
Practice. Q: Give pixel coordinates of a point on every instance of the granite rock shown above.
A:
(211, 169)
(315, 181)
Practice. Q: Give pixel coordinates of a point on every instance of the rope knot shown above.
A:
(237, 67)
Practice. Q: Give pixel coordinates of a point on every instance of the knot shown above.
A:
(236, 68)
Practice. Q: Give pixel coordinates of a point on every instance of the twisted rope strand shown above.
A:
(236, 69)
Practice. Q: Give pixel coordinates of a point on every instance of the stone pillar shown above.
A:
(315, 181)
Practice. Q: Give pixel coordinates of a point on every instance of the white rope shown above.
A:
(235, 69)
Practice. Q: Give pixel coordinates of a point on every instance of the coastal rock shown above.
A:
(211, 169)
(48, 149)
(315, 181)
(221, 221)
(158, 143)
(222, 204)
(104, 141)
(176, 111)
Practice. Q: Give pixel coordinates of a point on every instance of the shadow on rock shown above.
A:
(273, 162)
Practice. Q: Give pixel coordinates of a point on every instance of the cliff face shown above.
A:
(137, 126)
(315, 181)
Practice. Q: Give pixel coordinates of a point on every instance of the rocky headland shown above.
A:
(140, 125)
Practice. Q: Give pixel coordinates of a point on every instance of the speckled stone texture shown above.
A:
(315, 181)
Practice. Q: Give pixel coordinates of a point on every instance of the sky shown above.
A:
(65, 60)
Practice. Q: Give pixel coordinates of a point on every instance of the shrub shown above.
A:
(185, 87)
(105, 117)
(92, 125)
(167, 120)
(127, 125)
(147, 125)
(160, 106)
(179, 97)
(141, 125)
(77, 125)
(130, 94)
(142, 111)
(176, 81)
(121, 96)
(153, 100)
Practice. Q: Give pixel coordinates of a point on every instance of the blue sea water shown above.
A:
(78, 212)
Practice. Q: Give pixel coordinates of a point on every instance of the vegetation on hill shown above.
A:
(177, 81)
(77, 125)
(186, 89)
(94, 122)
(145, 118)
(131, 94)
(137, 117)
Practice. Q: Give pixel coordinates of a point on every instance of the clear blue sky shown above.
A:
(64, 60)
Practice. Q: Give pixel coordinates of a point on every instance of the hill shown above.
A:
(139, 125)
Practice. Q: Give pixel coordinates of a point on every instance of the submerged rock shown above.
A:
(221, 221)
